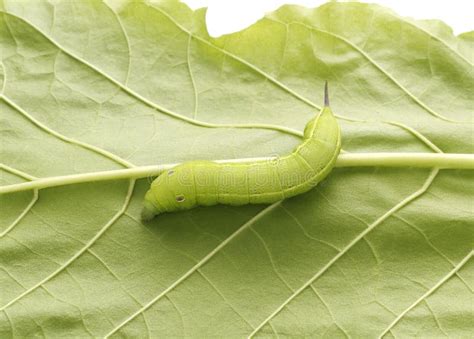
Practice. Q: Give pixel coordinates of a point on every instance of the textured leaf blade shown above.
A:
(367, 246)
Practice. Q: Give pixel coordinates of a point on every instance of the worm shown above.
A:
(207, 183)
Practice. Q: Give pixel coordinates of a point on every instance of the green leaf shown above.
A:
(91, 86)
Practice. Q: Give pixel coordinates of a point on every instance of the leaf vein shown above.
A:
(428, 292)
(64, 138)
(193, 82)
(214, 287)
(455, 52)
(270, 257)
(203, 261)
(80, 252)
(361, 235)
(382, 70)
(166, 111)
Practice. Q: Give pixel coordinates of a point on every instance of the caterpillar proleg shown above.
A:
(206, 183)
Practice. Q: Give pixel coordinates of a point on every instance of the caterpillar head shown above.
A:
(173, 190)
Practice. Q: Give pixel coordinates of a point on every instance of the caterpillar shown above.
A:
(206, 183)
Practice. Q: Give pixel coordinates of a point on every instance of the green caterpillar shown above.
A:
(206, 183)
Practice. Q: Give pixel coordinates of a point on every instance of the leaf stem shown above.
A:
(421, 160)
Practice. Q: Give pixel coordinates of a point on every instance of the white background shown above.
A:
(228, 16)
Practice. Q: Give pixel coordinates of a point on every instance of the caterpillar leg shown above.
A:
(148, 212)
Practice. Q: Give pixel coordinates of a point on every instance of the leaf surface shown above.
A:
(89, 86)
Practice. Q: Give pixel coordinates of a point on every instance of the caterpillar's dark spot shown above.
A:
(170, 172)
(180, 198)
